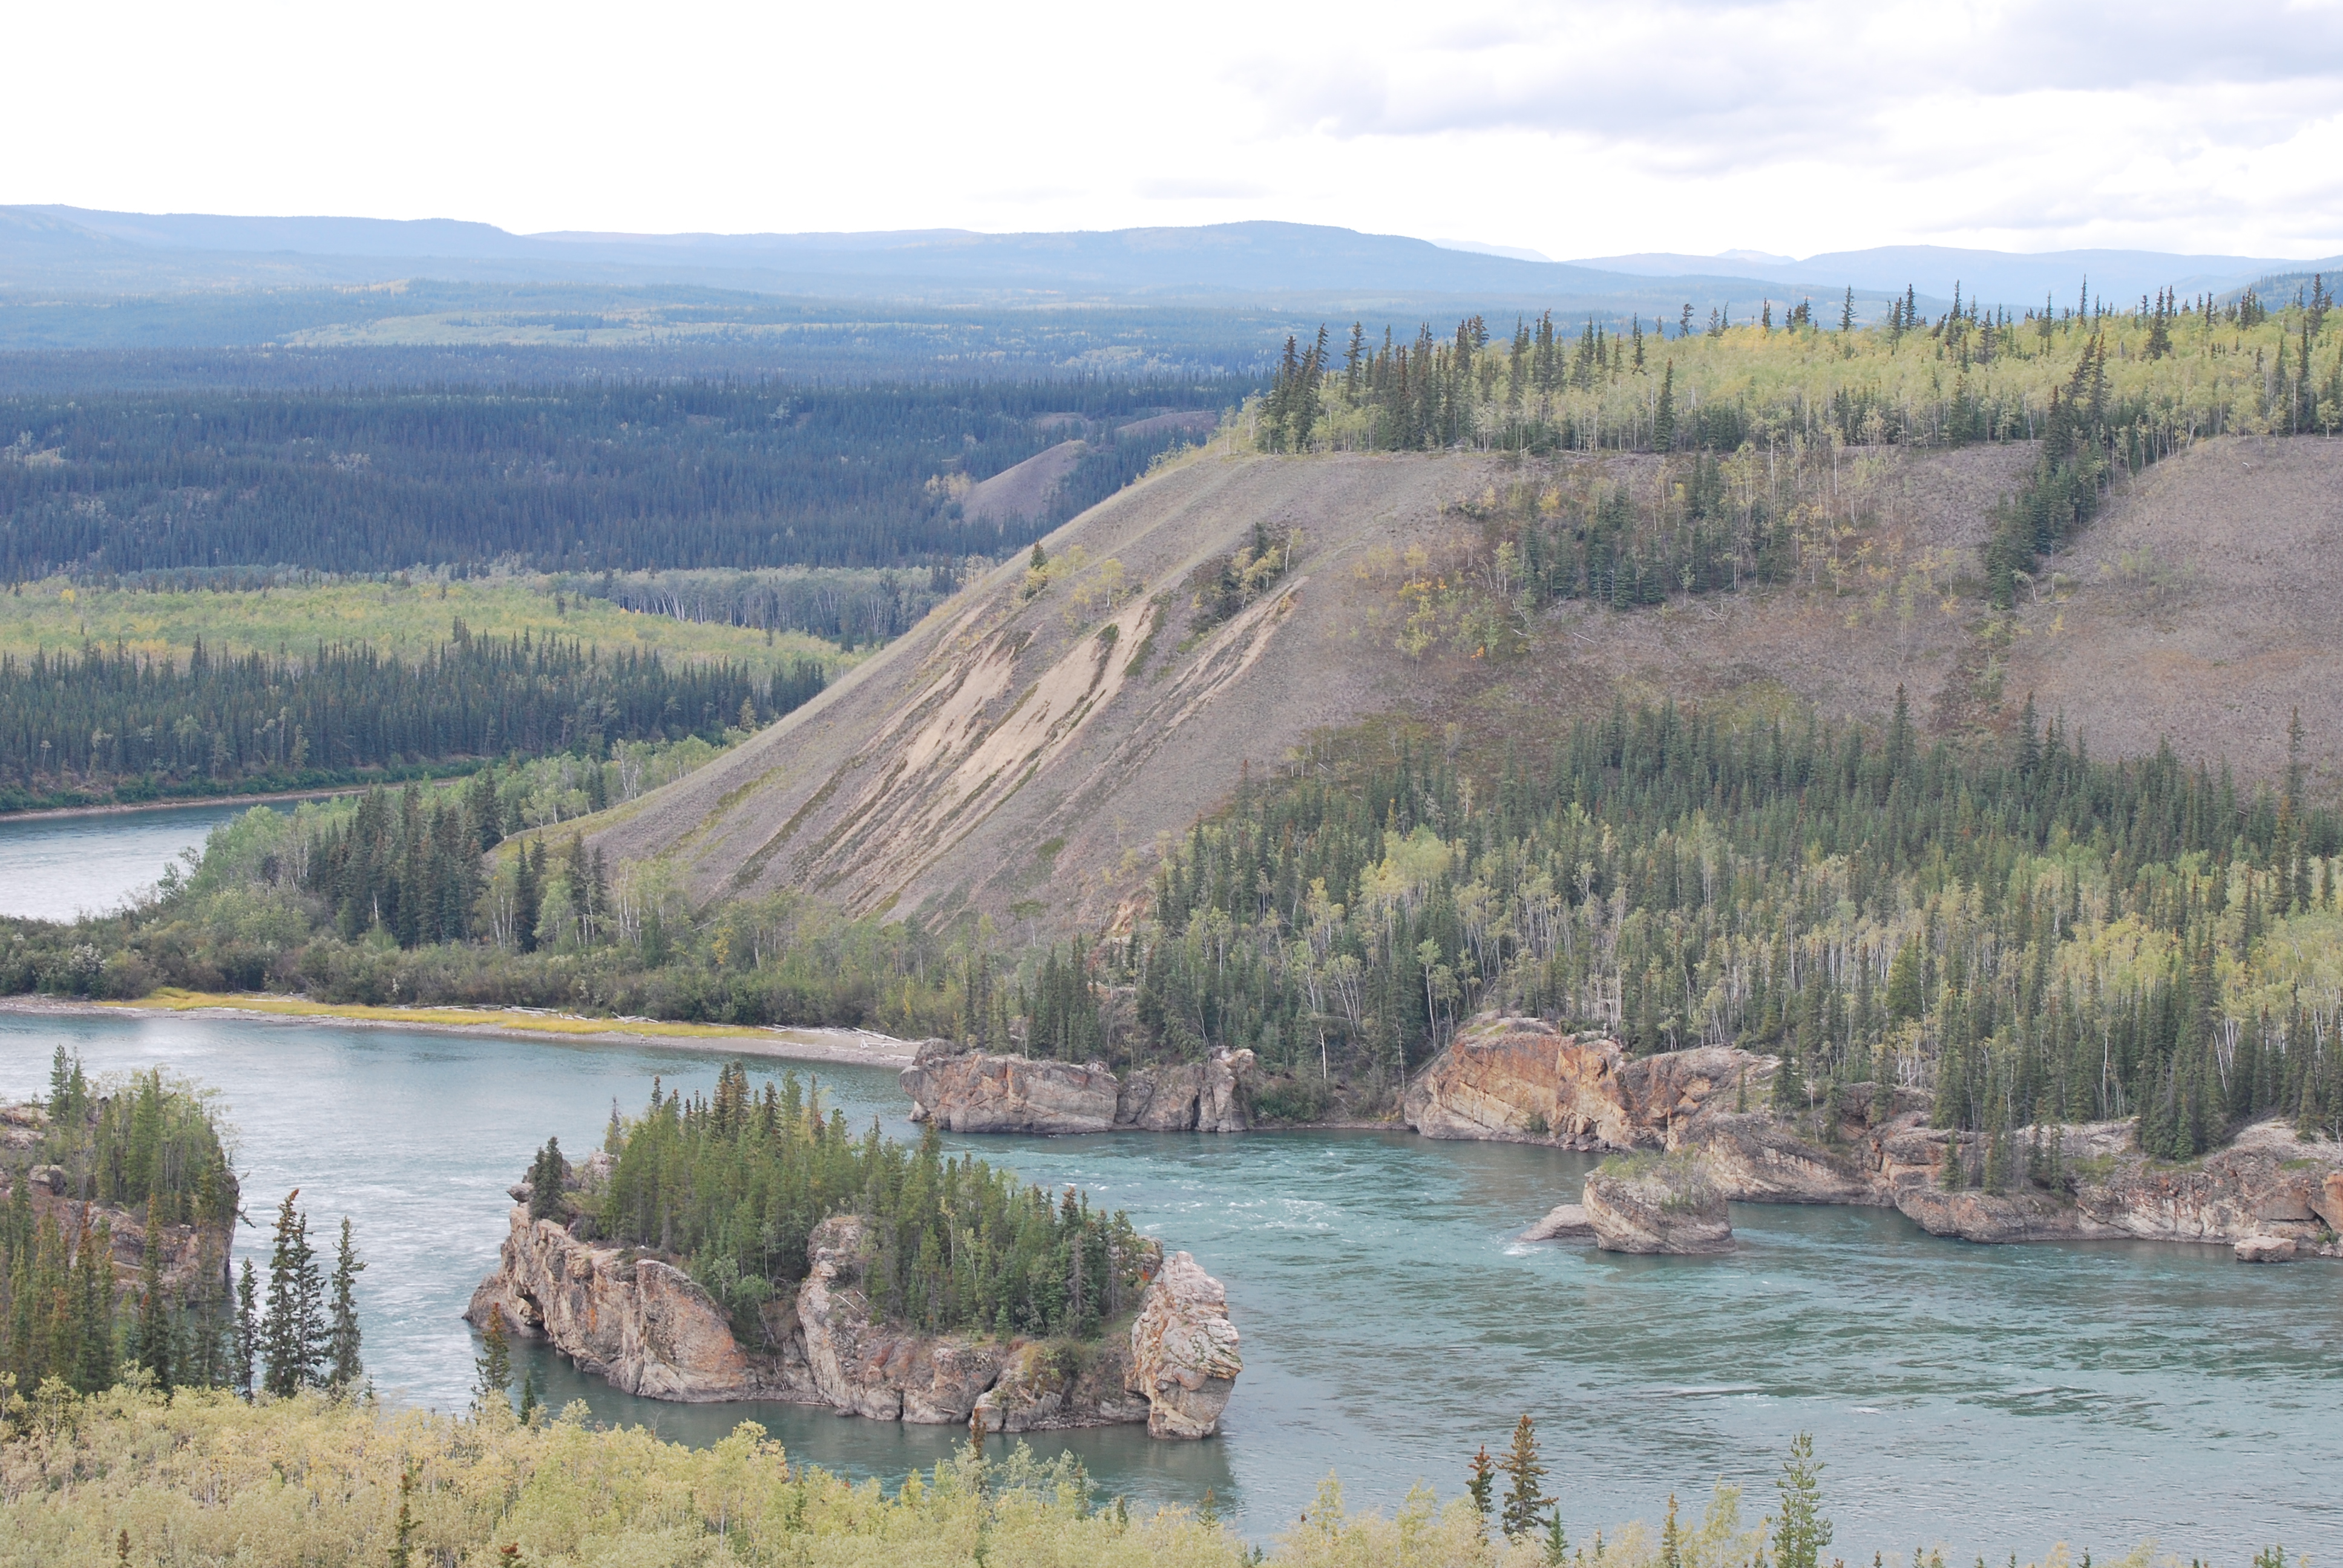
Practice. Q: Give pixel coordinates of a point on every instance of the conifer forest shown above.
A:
(735, 1182)
(2035, 936)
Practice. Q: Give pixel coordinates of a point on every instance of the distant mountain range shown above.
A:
(1995, 276)
(72, 277)
(61, 246)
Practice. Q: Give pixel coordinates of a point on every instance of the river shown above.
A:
(52, 868)
(1995, 1399)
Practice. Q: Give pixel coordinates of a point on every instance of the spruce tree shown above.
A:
(292, 1329)
(342, 1329)
(480, 802)
(1525, 1506)
(1789, 1085)
(402, 1533)
(492, 1370)
(247, 1330)
(1996, 1160)
(1480, 1485)
(91, 1368)
(1802, 1529)
(545, 1178)
(154, 1346)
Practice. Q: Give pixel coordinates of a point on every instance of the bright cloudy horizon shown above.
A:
(1573, 129)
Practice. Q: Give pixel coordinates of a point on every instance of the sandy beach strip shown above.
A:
(815, 1044)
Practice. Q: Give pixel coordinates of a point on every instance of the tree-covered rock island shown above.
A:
(747, 1245)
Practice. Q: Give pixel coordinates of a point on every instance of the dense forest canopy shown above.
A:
(2032, 933)
(107, 724)
(854, 608)
(584, 478)
(430, 333)
(737, 1180)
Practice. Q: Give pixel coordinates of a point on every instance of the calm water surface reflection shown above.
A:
(1995, 1398)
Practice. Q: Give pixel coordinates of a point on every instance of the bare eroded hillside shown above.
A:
(1024, 750)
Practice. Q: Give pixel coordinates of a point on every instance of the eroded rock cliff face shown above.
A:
(1522, 1080)
(1183, 1351)
(965, 1091)
(640, 1322)
(649, 1328)
(2269, 1195)
(2268, 1188)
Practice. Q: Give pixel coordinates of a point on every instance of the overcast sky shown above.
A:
(1575, 129)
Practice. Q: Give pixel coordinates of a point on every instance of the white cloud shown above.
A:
(1572, 128)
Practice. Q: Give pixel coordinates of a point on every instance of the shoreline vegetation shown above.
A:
(207, 1473)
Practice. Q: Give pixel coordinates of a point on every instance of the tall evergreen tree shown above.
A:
(1481, 1485)
(342, 1337)
(1801, 1530)
(546, 1174)
(292, 1331)
(247, 1330)
(1525, 1504)
(154, 1348)
(492, 1368)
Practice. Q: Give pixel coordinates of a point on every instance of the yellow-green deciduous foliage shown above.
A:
(319, 1482)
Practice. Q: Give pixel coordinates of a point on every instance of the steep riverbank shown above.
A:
(640, 1321)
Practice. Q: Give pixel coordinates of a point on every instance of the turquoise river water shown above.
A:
(1991, 1399)
(52, 868)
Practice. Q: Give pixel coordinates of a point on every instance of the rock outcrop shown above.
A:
(1756, 1158)
(1522, 1080)
(649, 1328)
(641, 1323)
(1043, 1387)
(1184, 1352)
(866, 1368)
(1214, 1095)
(1664, 1205)
(2266, 1188)
(967, 1090)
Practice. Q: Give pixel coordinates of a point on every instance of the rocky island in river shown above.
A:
(957, 1298)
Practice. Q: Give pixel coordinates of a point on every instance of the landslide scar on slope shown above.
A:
(952, 771)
